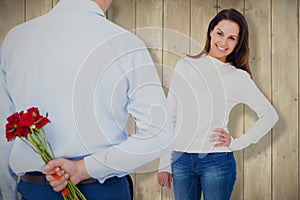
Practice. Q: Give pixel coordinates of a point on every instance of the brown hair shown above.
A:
(239, 57)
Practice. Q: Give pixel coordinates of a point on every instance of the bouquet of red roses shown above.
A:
(29, 128)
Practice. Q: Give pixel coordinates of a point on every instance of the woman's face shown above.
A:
(224, 38)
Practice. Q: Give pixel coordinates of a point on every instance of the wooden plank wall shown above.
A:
(267, 170)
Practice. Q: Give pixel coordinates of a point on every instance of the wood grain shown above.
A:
(257, 157)
(285, 175)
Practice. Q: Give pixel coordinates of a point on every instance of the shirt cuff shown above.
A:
(93, 164)
(166, 163)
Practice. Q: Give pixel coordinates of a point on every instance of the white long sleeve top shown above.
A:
(202, 93)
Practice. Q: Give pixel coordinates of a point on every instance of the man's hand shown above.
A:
(164, 179)
(60, 170)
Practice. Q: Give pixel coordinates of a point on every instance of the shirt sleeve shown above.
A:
(148, 107)
(267, 115)
(8, 178)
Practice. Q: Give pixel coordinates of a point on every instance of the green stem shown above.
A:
(38, 139)
(40, 144)
(74, 192)
(44, 156)
(47, 142)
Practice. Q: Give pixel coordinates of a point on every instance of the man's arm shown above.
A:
(148, 107)
(8, 181)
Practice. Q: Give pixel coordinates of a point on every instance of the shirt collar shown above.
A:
(220, 63)
(85, 5)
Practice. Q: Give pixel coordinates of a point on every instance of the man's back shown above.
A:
(86, 73)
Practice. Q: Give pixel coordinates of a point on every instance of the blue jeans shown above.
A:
(214, 174)
(112, 189)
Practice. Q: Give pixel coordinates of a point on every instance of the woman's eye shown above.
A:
(232, 38)
(219, 33)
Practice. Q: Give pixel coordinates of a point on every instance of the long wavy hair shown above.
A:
(239, 57)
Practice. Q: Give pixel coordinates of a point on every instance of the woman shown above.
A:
(203, 91)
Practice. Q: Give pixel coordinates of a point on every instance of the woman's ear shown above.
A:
(210, 32)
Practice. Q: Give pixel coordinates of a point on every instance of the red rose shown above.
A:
(10, 127)
(34, 112)
(26, 120)
(23, 131)
(10, 136)
(10, 132)
(41, 122)
(21, 125)
(21, 113)
(14, 118)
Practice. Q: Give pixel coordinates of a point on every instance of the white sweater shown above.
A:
(201, 96)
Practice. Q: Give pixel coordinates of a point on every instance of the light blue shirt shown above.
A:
(8, 180)
(88, 74)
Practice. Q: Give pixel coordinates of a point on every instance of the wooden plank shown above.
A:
(12, 13)
(122, 12)
(285, 177)
(35, 8)
(236, 121)
(257, 158)
(236, 4)
(236, 126)
(202, 12)
(54, 2)
(149, 29)
(175, 44)
(176, 35)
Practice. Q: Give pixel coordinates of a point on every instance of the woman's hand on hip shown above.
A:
(220, 137)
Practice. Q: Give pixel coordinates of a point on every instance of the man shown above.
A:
(88, 74)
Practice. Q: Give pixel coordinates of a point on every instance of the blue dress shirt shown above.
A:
(88, 74)
(8, 180)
